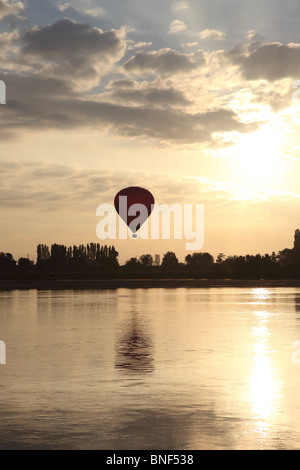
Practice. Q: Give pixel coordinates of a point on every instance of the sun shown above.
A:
(258, 157)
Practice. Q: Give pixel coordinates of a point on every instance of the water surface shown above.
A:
(152, 369)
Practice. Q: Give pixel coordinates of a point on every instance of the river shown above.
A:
(172, 369)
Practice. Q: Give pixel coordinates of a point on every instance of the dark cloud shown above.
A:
(63, 54)
(267, 61)
(41, 103)
(32, 88)
(68, 37)
(164, 61)
(129, 91)
(71, 49)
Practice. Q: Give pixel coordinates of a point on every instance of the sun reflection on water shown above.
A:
(264, 386)
(260, 294)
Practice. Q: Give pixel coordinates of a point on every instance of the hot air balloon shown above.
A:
(134, 205)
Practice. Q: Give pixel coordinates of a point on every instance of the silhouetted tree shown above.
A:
(297, 240)
(43, 254)
(146, 260)
(7, 260)
(220, 258)
(170, 261)
(112, 253)
(109, 258)
(133, 264)
(199, 261)
(270, 269)
(58, 255)
(97, 258)
(25, 263)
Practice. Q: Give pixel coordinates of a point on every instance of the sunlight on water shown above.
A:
(260, 295)
(150, 369)
(262, 384)
(265, 388)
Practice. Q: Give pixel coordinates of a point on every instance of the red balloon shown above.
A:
(135, 195)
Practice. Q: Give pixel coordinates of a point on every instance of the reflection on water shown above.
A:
(150, 369)
(264, 387)
(260, 295)
(263, 384)
(134, 348)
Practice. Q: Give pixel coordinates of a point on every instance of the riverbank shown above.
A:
(103, 284)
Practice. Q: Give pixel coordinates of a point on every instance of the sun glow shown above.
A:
(259, 157)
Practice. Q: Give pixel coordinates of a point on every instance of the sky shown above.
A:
(192, 100)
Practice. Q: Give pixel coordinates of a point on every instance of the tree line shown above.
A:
(94, 260)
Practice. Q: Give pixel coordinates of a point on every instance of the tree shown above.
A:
(220, 258)
(43, 254)
(7, 260)
(297, 240)
(170, 261)
(58, 255)
(113, 254)
(199, 261)
(146, 260)
(133, 264)
(108, 258)
(25, 263)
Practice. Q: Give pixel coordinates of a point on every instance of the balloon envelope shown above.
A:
(135, 195)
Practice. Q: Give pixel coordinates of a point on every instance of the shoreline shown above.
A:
(105, 284)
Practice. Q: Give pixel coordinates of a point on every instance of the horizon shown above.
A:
(124, 260)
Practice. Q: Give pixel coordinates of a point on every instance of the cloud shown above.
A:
(177, 26)
(25, 89)
(94, 12)
(63, 6)
(212, 34)
(42, 185)
(72, 50)
(8, 44)
(37, 185)
(139, 45)
(48, 103)
(252, 35)
(142, 44)
(13, 8)
(155, 94)
(85, 8)
(190, 44)
(66, 59)
(68, 37)
(276, 95)
(164, 61)
(270, 62)
(180, 6)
